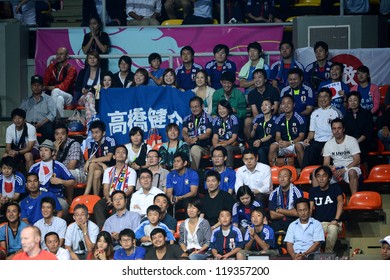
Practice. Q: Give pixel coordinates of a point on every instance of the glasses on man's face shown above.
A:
(145, 178)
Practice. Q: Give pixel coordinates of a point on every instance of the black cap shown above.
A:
(36, 79)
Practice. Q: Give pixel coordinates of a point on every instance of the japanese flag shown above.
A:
(45, 172)
(335, 88)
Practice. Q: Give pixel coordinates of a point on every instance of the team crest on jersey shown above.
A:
(226, 179)
(190, 125)
(186, 181)
(303, 98)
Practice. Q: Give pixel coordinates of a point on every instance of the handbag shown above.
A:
(76, 122)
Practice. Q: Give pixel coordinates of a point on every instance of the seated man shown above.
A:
(143, 198)
(182, 182)
(319, 70)
(281, 202)
(304, 235)
(319, 130)
(219, 65)
(52, 242)
(228, 92)
(100, 153)
(255, 62)
(290, 130)
(385, 247)
(303, 95)
(68, 152)
(344, 151)
(173, 6)
(21, 139)
(197, 131)
(40, 108)
(185, 73)
(53, 175)
(121, 218)
(59, 80)
(215, 200)
(49, 222)
(254, 174)
(141, 12)
(118, 177)
(31, 205)
(80, 237)
(202, 13)
(162, 250)
(326, 205)
(280, 69)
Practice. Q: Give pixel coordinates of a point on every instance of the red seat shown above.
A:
(89, 200)
(177, 233)
(364, 200)
(81, 186)
(275, 173)
(379, 174)
(304, 176)
(157, 146)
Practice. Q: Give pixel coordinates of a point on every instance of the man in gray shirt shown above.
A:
(40, 109)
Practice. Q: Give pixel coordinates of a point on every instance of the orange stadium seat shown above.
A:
(365, 200)
(378, 174)
(89, 200)
(304, 176)
(275, 172)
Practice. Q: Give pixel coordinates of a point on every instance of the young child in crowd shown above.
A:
(156, 73)
(142, 233)
(129, 250)
(12, 182)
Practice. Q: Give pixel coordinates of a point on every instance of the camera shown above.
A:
(81, 246)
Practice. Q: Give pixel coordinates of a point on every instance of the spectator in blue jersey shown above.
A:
(142, 232)
(339, 89)
(100, 151)
(304, 235)
(53, 175)
(182, 182)
(228, 175)
(319, 70)
(242, 209)
(255, 61)
(197, 131)
(156, 72)
(256, 96)
(319, 130)
(12, 182)
(290, 130)
(303, 95)
(31, 204)
(225, 131)
(260, 11)
(226, 240)
(129, 250)
(262, 134)
(370, 92)
(281, 202)
(259, 238)
(185, 73)
(326, 205)
(219, 65)
(281, 68)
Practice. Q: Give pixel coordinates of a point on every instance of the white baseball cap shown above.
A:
(386, 239)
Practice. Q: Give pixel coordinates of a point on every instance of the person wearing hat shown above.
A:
(40, 108)
(59, 80)
(385, 248)
(53, 175)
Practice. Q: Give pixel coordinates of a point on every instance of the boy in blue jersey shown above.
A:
(259, 239)
(142, 233)
(226, 240)
(12, 182)
(128, 250)
(155, 75)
